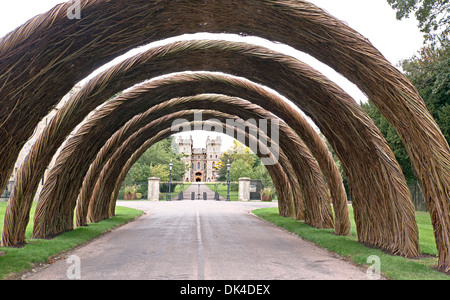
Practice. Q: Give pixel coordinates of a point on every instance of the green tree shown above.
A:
(240, 168)
(155, 163)
(429, 72)
(237, 152)
(243, 163)
(433, 17)
(260, 172)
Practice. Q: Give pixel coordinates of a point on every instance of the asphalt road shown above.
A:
(196, 240)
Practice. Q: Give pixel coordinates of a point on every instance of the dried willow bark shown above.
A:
(39, 45)
(134, 70)
(380, 192)
(116, 169)
(314, 188)
(100, 201)
(266, 97)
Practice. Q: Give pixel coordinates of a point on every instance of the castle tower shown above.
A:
(201, 161)
(185, 146)
(213, 155)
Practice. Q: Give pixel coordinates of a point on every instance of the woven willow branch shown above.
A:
(298, 154)
(117, 166)
(34, 75)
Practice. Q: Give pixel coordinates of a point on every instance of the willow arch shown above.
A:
(299, 24)
(155, 62)
(345, 132)
(115, 171)
(277, 174)
(105, 182)
(44, 222)
(304, 80)
(280, 108)
(305, 168)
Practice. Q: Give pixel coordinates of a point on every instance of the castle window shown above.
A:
(198, 166)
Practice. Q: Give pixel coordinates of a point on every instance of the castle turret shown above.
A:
(201, 161)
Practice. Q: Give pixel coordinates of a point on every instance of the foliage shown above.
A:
(260, 172)
(433, 17)
(239, 152)
(429, 72)
(268, 191)
(243, 163)
(131, 189)
(155, 163)
(240, 168)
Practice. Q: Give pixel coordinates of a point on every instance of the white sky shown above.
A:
(374, 19)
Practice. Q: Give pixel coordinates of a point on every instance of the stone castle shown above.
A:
(201, 161)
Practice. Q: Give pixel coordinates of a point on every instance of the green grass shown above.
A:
(222, 188)
(175, 192)
(392, 267)
(16, 260)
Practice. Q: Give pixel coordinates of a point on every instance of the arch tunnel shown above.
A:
(44, 58)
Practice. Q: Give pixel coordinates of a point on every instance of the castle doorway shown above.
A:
(198, 177)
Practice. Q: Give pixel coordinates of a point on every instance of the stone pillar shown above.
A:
(244, 189)
(153, 189)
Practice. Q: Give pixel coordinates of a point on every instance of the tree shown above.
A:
(240, 168)
(260, 172)
(244, 163)
(433, 17)
(393, 139)
(429, 72)
(237, 152)
(155, 163)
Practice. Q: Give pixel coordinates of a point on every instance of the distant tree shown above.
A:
(393, 139)
(155, 163)
(243, 163)
(260, 172)
(240, 168)
(237, 152)
(429, 72)
(433, 17)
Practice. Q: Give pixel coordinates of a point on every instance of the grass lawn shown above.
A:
(174, 194)
(392, 267)
(221, 188)
(16, 260)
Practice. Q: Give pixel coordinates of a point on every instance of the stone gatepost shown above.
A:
(244, 189)
(153, 189)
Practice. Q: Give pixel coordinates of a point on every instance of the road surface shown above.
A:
(197, 240)
(199, 189)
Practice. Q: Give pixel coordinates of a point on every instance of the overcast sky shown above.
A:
(374, 19)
